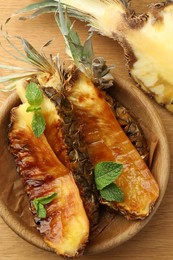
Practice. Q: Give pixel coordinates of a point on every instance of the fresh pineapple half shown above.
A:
(147, 39)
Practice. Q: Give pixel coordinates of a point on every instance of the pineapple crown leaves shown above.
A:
(30, 56)
(51, 6)
(48, 6)
(83, 55)
(38, 8)
(126, 3)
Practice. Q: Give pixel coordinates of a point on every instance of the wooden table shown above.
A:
(155, 241)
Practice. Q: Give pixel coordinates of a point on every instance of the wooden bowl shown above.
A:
(113, 229)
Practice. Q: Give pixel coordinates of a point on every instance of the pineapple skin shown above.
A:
(66, 226)
(106, 141)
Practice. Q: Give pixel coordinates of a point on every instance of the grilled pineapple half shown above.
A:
(63, 136)
(147, 38)
(106, 141)
(104, 138)
(65, 227)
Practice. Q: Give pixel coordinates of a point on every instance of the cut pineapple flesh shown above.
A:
(74, 157)
(152, 47)
(106, 141)
(53, 120)
(66, 226)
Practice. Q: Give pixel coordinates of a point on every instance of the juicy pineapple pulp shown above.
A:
(152, 46)
(106, 141)
(57, 132)
(53, 120)
(66, 226)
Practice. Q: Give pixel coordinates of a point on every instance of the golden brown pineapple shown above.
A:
(66, 226)
(106, 141)
(62, 135)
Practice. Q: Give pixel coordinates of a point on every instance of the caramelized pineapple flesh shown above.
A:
(66, 226)
(62, 135)
(53, 121)
(106, 141)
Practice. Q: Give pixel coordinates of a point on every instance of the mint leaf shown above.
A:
(38, 124)
(40, 202)
(106, 172)
(41, 212)
(34, 94)
(47, 199)
(112, 193)
(33, 109)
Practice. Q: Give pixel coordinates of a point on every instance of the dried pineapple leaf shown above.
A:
(74, 47)
(38, 61)
(3, 66)
(37, 6)
(45, 10)
(13, 77)
(48, 7)
(35, 58)
(88, 52)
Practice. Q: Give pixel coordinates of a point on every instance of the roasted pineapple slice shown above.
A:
(65, 227)
(106, 141)
(147, 39)
(62, 135)
(104, 138)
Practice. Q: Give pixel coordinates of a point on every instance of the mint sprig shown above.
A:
(40, 202)
(34, 94)
(105, 174)
(112, 193)
(34, 97)
(38, 123)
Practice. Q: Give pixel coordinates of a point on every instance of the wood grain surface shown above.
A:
(155, 241)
